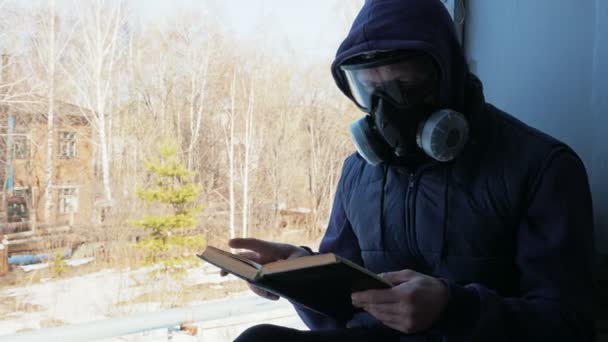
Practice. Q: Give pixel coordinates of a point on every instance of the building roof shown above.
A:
(38, 105)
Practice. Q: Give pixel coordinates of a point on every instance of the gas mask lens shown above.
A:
(403, 79)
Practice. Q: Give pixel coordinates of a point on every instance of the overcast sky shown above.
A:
(312, 27)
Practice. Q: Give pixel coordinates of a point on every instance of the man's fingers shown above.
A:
(263, 293)
(399, 277)
(385, 309)
(260, 246)
(390, 319)
(373, 297)
(253, 256)
(395, 324)
(381, 315)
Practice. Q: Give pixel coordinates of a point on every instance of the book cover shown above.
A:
(321, 282)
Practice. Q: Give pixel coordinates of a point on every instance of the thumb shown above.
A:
(399, 277)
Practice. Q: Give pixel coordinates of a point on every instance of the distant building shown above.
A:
(23, 163)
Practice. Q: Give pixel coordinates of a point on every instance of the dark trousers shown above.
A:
(268, 333)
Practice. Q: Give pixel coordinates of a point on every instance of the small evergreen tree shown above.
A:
(59, 267)
(171, 238)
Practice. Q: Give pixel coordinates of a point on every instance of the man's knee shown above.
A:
(265, 332)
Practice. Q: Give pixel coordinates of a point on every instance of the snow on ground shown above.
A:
(95, 296)
(232, 316)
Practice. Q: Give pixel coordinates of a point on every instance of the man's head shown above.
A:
(422, 28)
(403, 64)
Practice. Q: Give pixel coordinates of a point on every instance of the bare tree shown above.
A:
(50, 116)
(49, 46)
(246, 166)
(193, 49)
(95, 58)
(229, 137)
(247, 120)
(18, 80)
(198, 85)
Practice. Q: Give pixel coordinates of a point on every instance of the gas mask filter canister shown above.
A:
(442, 137)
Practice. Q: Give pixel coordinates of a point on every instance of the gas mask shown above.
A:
(401, 123)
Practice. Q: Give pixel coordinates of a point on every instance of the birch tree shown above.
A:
(228, 127)
(38, 43)
(198, 85)
(95, 57)
(49, 45)
(50, 116)
(192, 52)
(246, 166)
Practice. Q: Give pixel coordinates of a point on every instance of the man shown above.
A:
(482, 224)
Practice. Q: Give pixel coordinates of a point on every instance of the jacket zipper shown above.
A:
(410, 201)
(409, 228)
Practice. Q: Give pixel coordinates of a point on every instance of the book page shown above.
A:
(231, 263)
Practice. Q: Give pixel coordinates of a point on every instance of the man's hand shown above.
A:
(413, 304)
(263, 252)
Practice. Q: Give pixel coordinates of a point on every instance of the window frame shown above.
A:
(457, 9)
(68, 148)
(62, 199)
(21, 140)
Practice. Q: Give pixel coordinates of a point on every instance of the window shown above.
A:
(457, 11)
(21, 147)
(67, 145)
(22, 192)
(68, 200)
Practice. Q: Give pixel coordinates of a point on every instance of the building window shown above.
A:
(67, 145)
(22, 192)
(68, 200)
(21, 147)
(17, 205)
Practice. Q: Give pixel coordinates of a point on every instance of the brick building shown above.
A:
(23, 163)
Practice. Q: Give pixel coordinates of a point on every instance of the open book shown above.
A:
(322, 282)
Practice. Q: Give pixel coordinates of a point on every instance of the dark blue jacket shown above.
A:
(508, 225)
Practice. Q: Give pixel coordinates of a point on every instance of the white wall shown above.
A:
(546, 62)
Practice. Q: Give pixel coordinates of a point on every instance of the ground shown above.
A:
(112, 293)
(35, 300)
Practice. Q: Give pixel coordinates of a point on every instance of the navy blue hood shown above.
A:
(420, 25)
